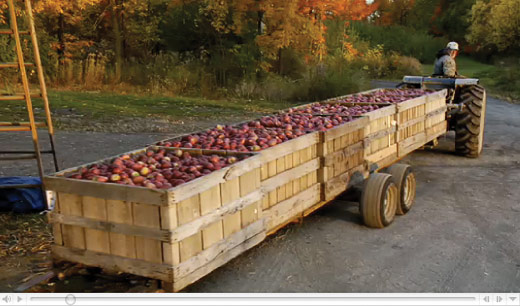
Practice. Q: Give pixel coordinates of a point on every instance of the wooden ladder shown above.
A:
(32, 125)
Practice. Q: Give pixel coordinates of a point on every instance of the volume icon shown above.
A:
(7, 299)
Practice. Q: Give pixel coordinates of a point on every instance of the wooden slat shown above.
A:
(293, 145)
(106, 190)
(146, 215)
(209, 201)
(374, 158)
(10, 32)
(17, 97)
(293, 206)
(38, 124)
(120, 212)
(381, 112)
(342, 155)
(71, 204)
(410, 123)
(230, 192)
(289, 175)
(345, 129)
(207, 256)
(114, 263)
(111, 227)
(14, 65)
(198, 224)
(218, 261)
(96, 240)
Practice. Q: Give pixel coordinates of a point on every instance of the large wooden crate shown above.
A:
(343, 153)
(417, 115)
(176, 235)
(289, 176)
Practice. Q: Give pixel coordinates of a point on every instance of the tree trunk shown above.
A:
(118, 40)
(61, 49)
(280, 64)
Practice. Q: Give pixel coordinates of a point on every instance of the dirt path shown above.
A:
(461, 236)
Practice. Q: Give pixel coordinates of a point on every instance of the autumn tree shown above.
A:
(495, 23)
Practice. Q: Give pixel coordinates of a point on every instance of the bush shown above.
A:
(403, 40)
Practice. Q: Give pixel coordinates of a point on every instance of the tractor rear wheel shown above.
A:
(469, 123)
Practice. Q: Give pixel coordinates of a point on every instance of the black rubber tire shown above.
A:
(469, 123)
(378, 189)
(404, 179)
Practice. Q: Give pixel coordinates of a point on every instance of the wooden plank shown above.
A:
(411, 143)
(250, 182)
(120, 212)
(207, 256)
(169, 221)
(345, 128)
(71, 204)
(293, 145)
(335, 186)
(376, 157)
(110, 227)
(195, 187)
(218, 261)
(438, 111)
(96, 240)
(105, 190)
(209, 201)
(379, 134)
(190, 246)
(406, 105)
(410, 123)
(114, 263)
(244, 166)
(381, 112)
(283, 178)
(271, 168)
(198, 224)
(230, 191)
(146, 215)
(56, 227)
(340, 156)
(188, 209)
(293, 206)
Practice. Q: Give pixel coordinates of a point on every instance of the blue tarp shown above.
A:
(21, 200)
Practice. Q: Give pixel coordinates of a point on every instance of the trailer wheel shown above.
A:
(469, 123)
(404, 179)
(379, 200)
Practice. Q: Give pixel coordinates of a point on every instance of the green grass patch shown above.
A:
(105, 106)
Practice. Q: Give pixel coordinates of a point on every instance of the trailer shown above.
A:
(178, 235)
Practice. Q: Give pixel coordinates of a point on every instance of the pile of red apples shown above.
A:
(386, 96)
(158, 168)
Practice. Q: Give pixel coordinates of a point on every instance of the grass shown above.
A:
(102, 106)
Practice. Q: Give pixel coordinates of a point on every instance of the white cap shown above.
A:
(453, 45)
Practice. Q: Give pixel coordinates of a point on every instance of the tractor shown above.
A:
(466, 114)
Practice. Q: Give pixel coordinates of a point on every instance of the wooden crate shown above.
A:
(342, 152)
(289, 176)
(413, 117)
(381, 137)
(176, 235)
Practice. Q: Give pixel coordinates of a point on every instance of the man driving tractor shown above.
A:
(445, 61)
